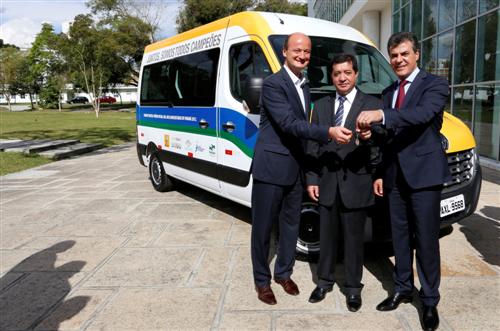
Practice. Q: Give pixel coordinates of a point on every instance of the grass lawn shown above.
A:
(111, 128)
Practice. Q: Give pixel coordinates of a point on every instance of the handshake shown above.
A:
(366, 118)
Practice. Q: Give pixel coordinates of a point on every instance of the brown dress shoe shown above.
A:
(266, 295)
(289, 286)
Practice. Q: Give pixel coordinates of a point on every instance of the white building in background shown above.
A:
(372, 18)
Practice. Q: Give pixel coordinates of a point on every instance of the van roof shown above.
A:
(265, 24)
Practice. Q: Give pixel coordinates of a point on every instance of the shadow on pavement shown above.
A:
(35, 286)
(483, 233)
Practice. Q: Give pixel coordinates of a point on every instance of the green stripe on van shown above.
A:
(205, 132)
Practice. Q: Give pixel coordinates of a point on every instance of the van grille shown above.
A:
(461, 167)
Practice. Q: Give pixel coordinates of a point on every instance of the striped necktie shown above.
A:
(340, 111)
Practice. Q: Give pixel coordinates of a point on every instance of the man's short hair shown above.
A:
(344, 57)
(400, 37)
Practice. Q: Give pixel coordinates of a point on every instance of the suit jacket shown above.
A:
(348, 168)
(279, 150)
(414, 133)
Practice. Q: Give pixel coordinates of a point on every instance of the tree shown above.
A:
(147, 12)
(134, 25)
(199, 12)
(44, 66)
(282, 6)
(10, 60)
(92, 52)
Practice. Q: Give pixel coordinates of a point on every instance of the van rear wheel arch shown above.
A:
(159, 179)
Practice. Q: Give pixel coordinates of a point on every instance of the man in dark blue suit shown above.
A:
(276, 169)
(413, 173)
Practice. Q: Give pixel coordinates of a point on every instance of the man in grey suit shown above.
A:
(341, 180)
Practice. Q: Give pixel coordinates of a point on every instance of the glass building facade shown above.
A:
(331, 10)
(460, 40)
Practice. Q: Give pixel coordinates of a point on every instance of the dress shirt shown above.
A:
(349, 99)
(298, 82)
(410, 80)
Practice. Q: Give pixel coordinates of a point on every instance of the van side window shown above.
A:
(184, 81)
(245, 60)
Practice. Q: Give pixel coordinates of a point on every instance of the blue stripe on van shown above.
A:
(186, 119)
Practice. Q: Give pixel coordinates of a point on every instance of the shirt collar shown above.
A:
(350, 96)
(296, 80)
(412, 76)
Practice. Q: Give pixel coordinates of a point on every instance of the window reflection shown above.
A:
(462, 104)
(446, 14)
(488, 63)
(485, 5)
(464, 53)
(416, 19)
(445, 55)
(487, 119)
(430, 17)
(429, 56)
(466, 9)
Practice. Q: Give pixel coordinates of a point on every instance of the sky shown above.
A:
(21, 20)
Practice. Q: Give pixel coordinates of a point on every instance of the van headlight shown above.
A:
(444, 142)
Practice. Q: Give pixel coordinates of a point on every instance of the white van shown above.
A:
(198, 112)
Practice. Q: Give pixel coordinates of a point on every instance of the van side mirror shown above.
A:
(251, 94)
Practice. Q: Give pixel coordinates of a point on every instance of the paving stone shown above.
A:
(59, 251)
(147, 267)
(245, 321)
(196, 232)
(159, 309)
(377, 321)
(75, 310)
(91, 225)
(213, 268)
(30, 298)
(143, 233)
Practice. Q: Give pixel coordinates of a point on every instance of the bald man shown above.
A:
(277, 166)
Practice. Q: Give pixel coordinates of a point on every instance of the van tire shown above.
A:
(307, 248)
(159, 179)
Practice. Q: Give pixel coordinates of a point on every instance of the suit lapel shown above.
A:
(387, 99)
(354, 111)
(419, 79)
(291, 87)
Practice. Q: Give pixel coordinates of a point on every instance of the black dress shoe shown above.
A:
(319, 294)
(393, 301)
(353, 302)
(430, 318)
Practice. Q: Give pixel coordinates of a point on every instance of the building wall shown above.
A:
(460, 40)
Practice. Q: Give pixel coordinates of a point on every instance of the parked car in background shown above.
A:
(79, 100)
(107, 99)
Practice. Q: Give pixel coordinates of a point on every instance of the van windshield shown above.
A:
(374, 75)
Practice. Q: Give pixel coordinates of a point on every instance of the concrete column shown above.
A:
(371, 26)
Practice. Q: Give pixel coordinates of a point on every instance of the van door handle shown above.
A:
(203, 123)
(229, 126)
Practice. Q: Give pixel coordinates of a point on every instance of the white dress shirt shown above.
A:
(347, 103)
(298, 85)
(410, 80)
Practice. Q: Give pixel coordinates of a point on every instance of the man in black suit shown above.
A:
(413, 173)
(341, 180)
(276, 168)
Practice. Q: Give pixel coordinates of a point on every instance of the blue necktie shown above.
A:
(340, 111)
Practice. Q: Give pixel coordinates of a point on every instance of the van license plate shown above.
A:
(452, 205)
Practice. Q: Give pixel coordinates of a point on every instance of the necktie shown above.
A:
(401, 94)
(340, 111)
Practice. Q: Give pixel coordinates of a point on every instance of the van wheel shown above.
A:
(161, 182)
(308, 241)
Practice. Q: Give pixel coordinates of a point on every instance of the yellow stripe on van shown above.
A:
(251, 22)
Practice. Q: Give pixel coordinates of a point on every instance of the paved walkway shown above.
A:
(87, 244)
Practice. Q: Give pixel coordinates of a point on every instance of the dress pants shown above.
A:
(415, 218)
(336, 222)
(274, 203)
